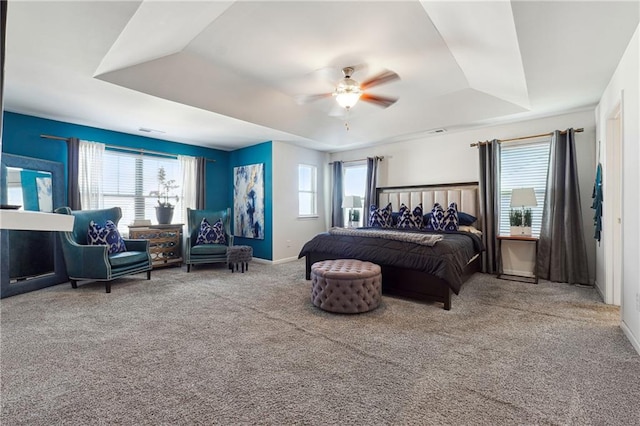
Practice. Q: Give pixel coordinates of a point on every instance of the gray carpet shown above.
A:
(211, 347)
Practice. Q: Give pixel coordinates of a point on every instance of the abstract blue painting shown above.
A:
(248, 201)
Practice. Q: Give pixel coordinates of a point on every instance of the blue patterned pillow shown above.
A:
(395, 218)
(450, 221)
(209, 234)
(418, 216)
(463, 219)
(410, 219)
(106, 236)
(380, 218)
(437, 216)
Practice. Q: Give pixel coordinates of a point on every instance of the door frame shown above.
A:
(613, 205)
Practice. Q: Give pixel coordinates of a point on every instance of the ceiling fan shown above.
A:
(349, 91)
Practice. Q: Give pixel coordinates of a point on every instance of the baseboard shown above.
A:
(285, 260)
(595, 284)
(274, 262)
(627, 332)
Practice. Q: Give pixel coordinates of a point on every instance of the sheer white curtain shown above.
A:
(90, 175)
(188, 166)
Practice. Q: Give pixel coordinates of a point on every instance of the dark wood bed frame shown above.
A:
(415, 285)
(408, 283)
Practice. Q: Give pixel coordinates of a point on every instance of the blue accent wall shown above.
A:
(261, 153)
(30, 189)
(21, 136)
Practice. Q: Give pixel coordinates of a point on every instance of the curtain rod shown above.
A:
(524, 137)
(124, 148)
(381, 157)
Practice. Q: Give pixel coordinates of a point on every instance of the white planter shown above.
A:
(520, 230)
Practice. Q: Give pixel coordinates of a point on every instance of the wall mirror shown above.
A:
(30, 259)
(29, 189)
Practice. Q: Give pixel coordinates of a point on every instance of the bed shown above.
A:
(410, 269)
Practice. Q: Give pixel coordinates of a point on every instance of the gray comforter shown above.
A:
(446, 259)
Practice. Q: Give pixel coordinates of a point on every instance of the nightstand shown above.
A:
(510, 277)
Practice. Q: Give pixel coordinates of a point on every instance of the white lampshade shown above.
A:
(351, 202)
(523, 197)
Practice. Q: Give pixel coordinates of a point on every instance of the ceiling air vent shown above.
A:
(147, 130)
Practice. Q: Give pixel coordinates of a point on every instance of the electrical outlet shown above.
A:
(638, 302)
(288, 243)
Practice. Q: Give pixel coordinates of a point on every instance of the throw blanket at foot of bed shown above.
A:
(390, 234)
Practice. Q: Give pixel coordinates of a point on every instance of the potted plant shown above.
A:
(164, 209)
(355, 215)
(515, 221)
(520, 221)
(526, 222)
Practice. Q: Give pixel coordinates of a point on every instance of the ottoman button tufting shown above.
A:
(359, 285)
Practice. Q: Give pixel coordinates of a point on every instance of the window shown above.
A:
(523, 165)
(307, 190)
(130, 181)
(355, 183)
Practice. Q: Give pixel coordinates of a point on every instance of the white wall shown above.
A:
(624, 87)
(290, 232)
(448, 158)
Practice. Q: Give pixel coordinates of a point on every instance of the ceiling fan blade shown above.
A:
(382, 78)
(305, 99)
(378, 100)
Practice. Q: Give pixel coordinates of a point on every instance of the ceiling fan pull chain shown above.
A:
(346, 120)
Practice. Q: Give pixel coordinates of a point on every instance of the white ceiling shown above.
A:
(227, 74)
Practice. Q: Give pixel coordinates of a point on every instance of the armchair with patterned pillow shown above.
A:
(95, 251)
(208, 236)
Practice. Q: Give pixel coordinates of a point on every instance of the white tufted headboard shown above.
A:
(464, 194)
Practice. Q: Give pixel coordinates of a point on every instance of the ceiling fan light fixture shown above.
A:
(347, 93)
(347, 100)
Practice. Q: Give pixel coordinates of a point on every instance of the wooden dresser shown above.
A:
(165, 243)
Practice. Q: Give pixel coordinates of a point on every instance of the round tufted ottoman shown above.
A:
(346, 285)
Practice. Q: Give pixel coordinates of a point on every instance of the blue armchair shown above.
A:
(93, 262)
(206, 253)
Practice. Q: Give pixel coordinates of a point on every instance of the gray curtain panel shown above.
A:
(562, 253)
(3, 31)
(337, 219)
(73, 188)
(201, 179)
(372, 184)
(489, 155)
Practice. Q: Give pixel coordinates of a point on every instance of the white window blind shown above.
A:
(523, 165)
(307, 190)
(129, 180)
